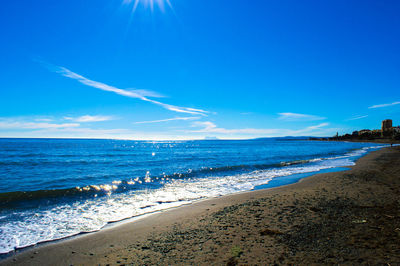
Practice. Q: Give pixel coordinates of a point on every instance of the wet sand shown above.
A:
(350, 217)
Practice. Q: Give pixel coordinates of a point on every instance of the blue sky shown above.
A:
(182, 69)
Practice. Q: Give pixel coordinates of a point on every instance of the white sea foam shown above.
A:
(49, 223)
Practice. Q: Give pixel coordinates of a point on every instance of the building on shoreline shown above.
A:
(387, 132)
(387, 127)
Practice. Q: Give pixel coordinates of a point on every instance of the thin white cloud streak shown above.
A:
(87, 131)
(210, 127)
(20, 127)
(34, 125)
(178, 109)
(90, 118)
(383, 105)
(167, 120)
(44, 120)
(356, 117)
(313, 127)
(299, 117)
(138, 94)
(147, 93)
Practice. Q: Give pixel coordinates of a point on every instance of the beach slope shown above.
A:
(350, 217)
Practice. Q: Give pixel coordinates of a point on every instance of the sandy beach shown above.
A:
(350, 217)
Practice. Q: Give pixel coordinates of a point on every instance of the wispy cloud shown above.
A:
(356, 117)
(44, 119)
(299, 117)
(169, 119)
(24, 127)
(87, 131)
(138, 94)
(33, 125)
(383, 105)
(89, 118)
(210, 127)
(147, 93)
(311, 128)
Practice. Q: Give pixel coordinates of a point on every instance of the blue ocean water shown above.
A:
(55, 188)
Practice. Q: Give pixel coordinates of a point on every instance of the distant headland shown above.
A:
(388, 134)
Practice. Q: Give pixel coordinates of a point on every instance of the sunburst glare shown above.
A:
(148, 4)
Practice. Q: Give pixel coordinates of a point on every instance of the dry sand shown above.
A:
(350, 217)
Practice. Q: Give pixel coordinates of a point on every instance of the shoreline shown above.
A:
(116, 224)
(108, 244)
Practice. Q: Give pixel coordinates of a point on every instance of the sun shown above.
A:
(161, 4)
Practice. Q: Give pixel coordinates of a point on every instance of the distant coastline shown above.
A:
(378, 140)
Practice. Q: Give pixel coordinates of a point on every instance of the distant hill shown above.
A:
(211, 138)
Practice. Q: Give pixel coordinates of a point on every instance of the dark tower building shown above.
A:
(386, 127)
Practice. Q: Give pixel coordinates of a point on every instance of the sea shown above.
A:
(56, 188)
